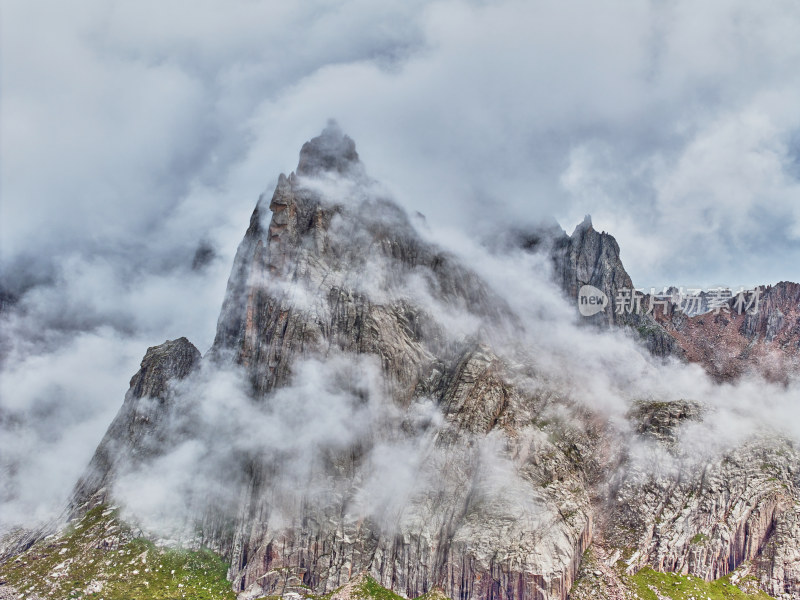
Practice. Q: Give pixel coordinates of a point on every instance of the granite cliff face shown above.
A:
(322, 275)
(462, 470)
(738, 509)
(355, 264)
(329, 270)
(709, 517)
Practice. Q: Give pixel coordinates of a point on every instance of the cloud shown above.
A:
(325, 438)
(138, 121)
(720, 211)
(54, 407)
(132, 134)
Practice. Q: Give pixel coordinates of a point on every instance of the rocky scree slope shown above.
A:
(730, 343)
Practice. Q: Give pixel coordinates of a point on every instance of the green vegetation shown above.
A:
(364, 587)
(434, 595)
(647, 331)
(700, 538)
(98, 558)
(685, 587)
(597, 582)
(369, 589)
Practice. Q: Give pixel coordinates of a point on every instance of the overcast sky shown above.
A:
(132, 133)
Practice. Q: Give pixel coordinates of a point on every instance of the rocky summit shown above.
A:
(371, 422)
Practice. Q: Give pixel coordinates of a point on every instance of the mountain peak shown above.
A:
(331, 150)
(585, 225)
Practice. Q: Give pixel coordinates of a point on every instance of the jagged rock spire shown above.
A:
(589, 257)
(331, 150)
(137, 432)
(585, 225)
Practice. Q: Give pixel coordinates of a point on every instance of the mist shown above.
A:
(130, 141)
(341, 405)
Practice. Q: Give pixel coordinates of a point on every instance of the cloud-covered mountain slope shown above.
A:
(375, 404)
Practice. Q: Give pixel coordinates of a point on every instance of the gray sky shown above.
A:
(132, 132)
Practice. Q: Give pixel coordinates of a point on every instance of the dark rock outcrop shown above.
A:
(330, 152)
(138, 432)
(589, 257)
(661, 420)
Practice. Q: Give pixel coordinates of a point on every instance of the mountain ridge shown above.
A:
(337, 302)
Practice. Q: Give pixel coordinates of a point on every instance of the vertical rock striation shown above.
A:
(706, 514)
(337, 268)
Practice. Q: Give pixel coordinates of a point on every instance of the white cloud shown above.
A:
(131, 132)
(54, 408)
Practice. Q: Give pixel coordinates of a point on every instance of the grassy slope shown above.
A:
(648, 584)
(97, 558)
(364, 587)
(679, 587)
